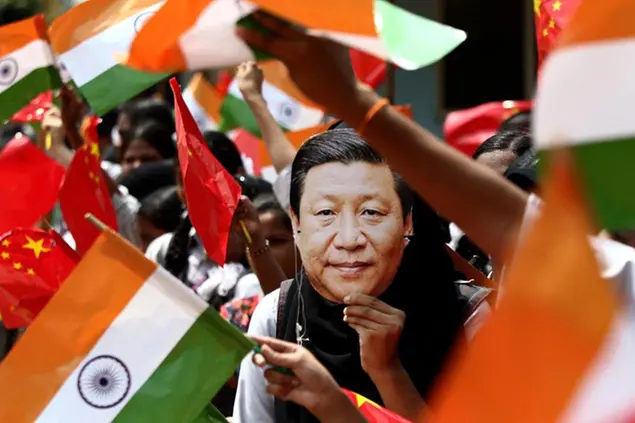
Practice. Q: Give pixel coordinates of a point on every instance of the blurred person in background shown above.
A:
(160, 213)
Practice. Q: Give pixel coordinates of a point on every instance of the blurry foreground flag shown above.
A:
(551, 17)
(27, 65)
(559, 347)
(466, 129)
(92, 39)
(30, 183)
(289, 107)
(596, 51)
(372, 412)
(211, 193)
(201, 35)
(204, 101)
(122, 341)
(33, 265)
(34, 111)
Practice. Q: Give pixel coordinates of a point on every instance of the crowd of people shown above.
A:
(350, 279)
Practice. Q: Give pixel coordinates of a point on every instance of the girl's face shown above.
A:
(138, 153)
(147, 232)
(280, 239)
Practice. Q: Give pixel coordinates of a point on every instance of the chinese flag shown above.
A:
(372, 412)
(211, 193)
(33, 265)
(466, 129)
(85, 191)
(34, 111)
(551, 18)
(29, 184)
(368, 69)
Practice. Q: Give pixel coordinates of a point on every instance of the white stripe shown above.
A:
(286, 110)
(586, 94)
(202, 118)
(607, 393)
(217, 23)
(143, 334)
(102, 52)
(21, 62)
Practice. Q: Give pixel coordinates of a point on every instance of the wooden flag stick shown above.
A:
(245, 232)
(95, 222)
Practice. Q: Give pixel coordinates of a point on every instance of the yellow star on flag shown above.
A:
(37, 246)
(361, 400)
(552, 24)
(537, 4)
(30, 272)
(5, 255)
(545, 32)
(94, 149)
(6, 243)
(17, 266)
(557, 5)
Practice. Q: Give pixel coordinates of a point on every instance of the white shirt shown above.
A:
(253, 403)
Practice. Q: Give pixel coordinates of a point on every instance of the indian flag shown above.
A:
(204, 102)
(92, 39)
(560, 346)
(122, 341)
(289, 107)
(27, 65)
(201, 35)
(585, 100)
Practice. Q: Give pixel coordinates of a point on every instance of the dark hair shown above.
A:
(514, 141)
(520, 122)
(252, 186)
(523, 172)
(149, 109)
(147, 178)
(11, 129)
(108, 122)
(268, 203)
(224, 150)
(341, 146)
(157, 136)
(162, 208)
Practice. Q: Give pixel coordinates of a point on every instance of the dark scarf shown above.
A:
(434, 317)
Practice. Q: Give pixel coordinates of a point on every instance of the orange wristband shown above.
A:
(371, 114)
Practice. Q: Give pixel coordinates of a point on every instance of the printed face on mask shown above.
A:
(351, 228)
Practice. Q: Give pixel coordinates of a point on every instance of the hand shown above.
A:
(320, 68)
(311, 385)
(379, 327)
(246, 212)
(52, 123)
(72, 107)
(249, 77)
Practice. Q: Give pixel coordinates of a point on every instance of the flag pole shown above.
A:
(96, 222)
(390, 78)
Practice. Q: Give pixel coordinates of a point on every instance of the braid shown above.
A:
(177, 253)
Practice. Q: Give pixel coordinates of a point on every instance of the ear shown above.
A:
(295, 222)
(408, 226)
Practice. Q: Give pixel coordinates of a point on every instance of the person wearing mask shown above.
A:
(359, 303)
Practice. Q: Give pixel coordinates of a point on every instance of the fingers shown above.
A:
(367, 313)
(368, 301)
(274, 344)
(364, 325)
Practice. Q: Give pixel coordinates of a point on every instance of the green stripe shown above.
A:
(197, 367)
(117, 85)
(608, 175)
(235, 113)
(14, 98)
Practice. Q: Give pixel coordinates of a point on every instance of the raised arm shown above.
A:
(483, 204)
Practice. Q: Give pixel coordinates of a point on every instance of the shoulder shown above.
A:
(265, 317)
(158, 248)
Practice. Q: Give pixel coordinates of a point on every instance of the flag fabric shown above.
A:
(27, 64)
(34, 111)
(122, 341)
(85, 191)
(466, 129)
(92, 39)
(289, 107)
(210, 414)
(211, 193)
(204, 102)
(373, 412)
(250, 148)
(559, 347)
(594, 51)
(30, 184)
(551, 18)
(33, 265)
(368, 69)
(177, 38)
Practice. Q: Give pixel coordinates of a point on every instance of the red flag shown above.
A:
(85, 191)
(368, 69)
(224, 80)
(249, 147)
(34, 111)
(551, 18)
(211, 193)
(374, 413)
(33, 265)
(466, 129)
(29, 184)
